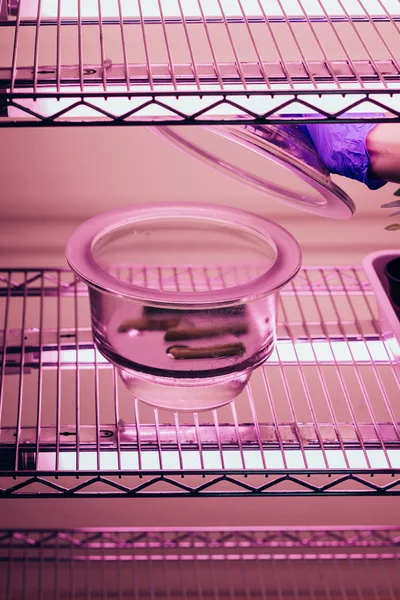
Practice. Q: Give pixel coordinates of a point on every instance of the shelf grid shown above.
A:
(339, 564)
(166, 62)
(320, 417)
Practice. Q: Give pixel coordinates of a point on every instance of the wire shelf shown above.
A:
(339, 564)
(136, 62)
(320, 417)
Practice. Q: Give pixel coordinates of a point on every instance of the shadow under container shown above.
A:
(183, 297)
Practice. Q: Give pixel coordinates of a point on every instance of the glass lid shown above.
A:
(279, 160)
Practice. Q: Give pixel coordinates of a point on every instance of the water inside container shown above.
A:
(185, 255)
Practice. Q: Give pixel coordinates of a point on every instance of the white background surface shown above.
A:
(51, 180)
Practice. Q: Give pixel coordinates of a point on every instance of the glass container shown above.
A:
(183, 297)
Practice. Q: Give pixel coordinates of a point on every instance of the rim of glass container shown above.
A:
(79, 254)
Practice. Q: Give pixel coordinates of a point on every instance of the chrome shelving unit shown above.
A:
(321, 417)
(167, 62)
(336, 564)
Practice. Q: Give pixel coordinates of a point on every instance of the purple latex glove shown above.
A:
(343, 150)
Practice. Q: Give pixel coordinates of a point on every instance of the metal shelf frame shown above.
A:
(344, 564)
(321, 417)
(180, 62)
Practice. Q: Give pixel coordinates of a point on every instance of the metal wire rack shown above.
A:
(342, 564)
(320, 417)
(139, 62)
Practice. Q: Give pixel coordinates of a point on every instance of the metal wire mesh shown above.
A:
(209, 563)
(321, 416)
(137, 62)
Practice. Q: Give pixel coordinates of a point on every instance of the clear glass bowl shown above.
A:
(183, 297)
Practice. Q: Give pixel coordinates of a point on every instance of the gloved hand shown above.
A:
(342, 148)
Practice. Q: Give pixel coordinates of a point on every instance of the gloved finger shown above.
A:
(343, 150)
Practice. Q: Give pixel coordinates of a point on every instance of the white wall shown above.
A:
(51, 180)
